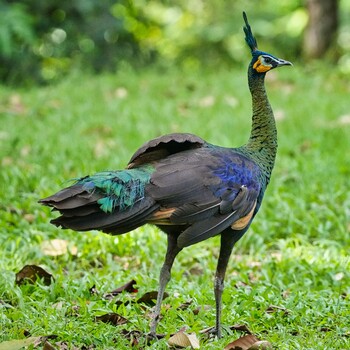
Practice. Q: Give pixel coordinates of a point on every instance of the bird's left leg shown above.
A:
(164, 278)
(227, 243)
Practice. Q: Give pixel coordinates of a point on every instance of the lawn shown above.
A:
(288, 279)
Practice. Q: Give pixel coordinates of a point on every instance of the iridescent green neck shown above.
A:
(262, 144)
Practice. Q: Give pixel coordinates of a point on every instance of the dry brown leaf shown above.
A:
(286, 294)
(248, 342)
(133, 336)
(17, 344)
(149, 298)
(56, 247)
(62, 345)
(183, 340)
(243, 343)
(58, 305)
(127, 287)
(198, 309)
(274, 308)
(30, 274)
(338, 276)
(241, 284)
(206, 101)
(231, 101)
(48, 346)
(112, 318)
(185, 305)
(280, 114)
(121, 93)
(29, 217)
(16, 105)
(93, 290)
(196, 270)
(241, 328)
(261, 345)
(344, 119)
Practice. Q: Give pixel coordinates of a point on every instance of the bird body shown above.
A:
(201, 190)
(192, 190)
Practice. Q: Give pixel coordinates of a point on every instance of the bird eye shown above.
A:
(267, 59)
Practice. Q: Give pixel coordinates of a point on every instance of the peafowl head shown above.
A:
(262, 62)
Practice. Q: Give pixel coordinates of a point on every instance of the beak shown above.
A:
(283, 63)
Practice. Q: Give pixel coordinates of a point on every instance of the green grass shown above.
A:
(295, 256)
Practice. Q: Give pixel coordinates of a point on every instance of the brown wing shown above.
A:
(163, 146)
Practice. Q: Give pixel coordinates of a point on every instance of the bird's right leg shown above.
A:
(164, 278)
(227, 243)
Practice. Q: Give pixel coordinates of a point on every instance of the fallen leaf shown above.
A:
(231, 101)
(127, 287)
(243, 343)
(149, 298)
(112, 318)
(274, 308)
(286, 294)
(121, 93)
(56, 247)
(196, 270)
(58, 305)
(200, 308)
(280, 114)
(248, 342)
(338, 276)
(93, 290)
(62, 345)
(241, 328)
(29, 218)
(84, 347)
(206, 101)
(183, 340)
(16, 105)
(30, 274)
(185, 305)
(17, 344)
(241, 284)
(344, 119)
(133, 336)
(48, 346)
(236, 327)
(261, 345)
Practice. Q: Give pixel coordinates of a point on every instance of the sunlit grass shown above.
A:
(295, 255)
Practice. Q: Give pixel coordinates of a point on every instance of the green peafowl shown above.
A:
(192, 190)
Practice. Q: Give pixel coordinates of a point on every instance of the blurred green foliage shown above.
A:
(43, 40)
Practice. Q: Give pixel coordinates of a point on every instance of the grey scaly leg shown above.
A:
(164, 278)
(227, 243)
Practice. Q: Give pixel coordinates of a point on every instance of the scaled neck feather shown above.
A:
(262, 144)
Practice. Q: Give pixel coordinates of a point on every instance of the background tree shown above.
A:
(322, 27)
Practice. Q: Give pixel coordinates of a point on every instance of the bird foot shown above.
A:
(152, 336)
(212, 332)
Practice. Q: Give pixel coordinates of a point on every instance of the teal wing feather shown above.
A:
(120, 189)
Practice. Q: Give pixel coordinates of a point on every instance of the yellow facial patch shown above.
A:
(260, 67)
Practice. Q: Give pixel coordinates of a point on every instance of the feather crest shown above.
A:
(249, 37)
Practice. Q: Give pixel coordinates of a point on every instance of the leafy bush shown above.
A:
(43, 40)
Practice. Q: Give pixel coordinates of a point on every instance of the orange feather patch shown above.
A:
(241, 223)
(161, 217)
(259, 67)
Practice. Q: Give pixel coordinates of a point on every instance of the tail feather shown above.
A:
(116, 223)
(113, 202)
